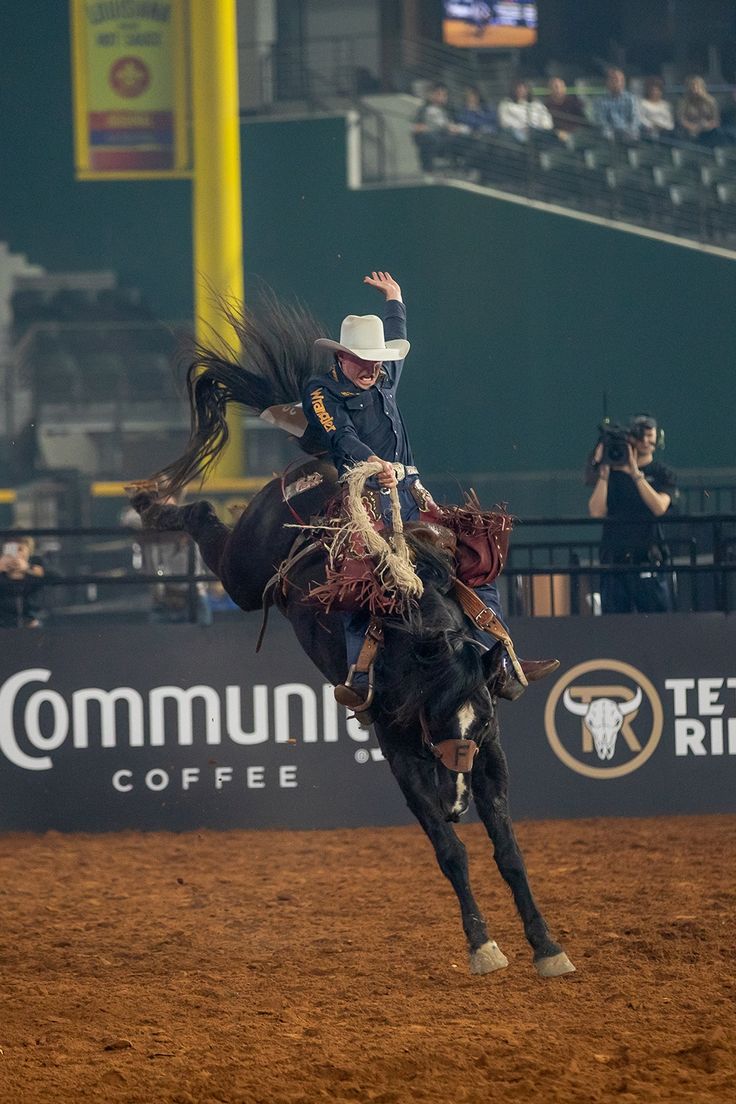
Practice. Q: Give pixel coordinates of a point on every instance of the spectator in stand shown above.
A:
(475, 114)
(657, 116)
(617, 110)
(435, 131)
(520, 115)
(478, 121)
(566, 109)
(21, 581)
(698, 115)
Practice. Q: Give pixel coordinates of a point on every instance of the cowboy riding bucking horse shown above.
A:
(355, 407)
(391, 595)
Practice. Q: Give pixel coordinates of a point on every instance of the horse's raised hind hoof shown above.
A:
(487, 958)
(554, 966)
(140, 500)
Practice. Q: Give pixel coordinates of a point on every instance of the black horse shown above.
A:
(433, 681)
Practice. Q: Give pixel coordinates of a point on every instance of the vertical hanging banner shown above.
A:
(130, 88)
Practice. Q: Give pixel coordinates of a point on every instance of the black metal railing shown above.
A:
(556, 570)
(78, 562)
(552, 569)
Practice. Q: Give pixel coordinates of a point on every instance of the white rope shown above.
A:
(394, 566)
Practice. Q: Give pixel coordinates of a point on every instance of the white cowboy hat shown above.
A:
(362, 336)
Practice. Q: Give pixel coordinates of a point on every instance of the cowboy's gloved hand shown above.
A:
(384, 281)
(386, 477)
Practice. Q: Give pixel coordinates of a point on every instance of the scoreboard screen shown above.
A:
(479, 24)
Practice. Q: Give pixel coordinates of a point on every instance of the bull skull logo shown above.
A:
(620, 718)
(603, 718)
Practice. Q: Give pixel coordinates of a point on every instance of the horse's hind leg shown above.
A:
(416, 779)
(490, 789)
(198, 519)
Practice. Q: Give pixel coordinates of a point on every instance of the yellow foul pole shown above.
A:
(217, 215)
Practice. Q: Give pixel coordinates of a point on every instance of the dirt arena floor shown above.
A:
(220, 968)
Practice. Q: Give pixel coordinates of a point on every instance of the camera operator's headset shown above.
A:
(640, 422)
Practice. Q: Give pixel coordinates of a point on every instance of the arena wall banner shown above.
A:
(130, 88)
(181, 727)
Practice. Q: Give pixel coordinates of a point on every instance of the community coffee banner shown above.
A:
(130, 94)
(183, 727)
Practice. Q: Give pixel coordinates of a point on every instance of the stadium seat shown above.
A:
(712, 174)
(56, 379)
(505, 164)
(601, 156)
(726, 193)
(691, 156)
(148, 377)
(644, 156)
(665, 175)
(725, 156)
(102, 375)
(71, 305)
(561, 179)
(724, 213)
(684, 194)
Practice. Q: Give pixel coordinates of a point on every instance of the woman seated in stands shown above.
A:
(657, 116)
(520, 115)
(475, 114)
(698, 115)
(478, 121)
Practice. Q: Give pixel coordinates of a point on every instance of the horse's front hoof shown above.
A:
(487, 958)
(554, 966)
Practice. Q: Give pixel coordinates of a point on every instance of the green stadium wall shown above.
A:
(520, 319)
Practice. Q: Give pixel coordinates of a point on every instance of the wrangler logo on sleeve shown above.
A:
(318, 405)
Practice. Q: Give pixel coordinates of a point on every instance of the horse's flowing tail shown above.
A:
(277, 344)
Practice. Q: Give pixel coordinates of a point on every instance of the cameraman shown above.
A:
(631, 495)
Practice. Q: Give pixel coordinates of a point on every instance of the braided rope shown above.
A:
(394, 566)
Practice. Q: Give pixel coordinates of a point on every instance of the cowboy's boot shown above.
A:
(508, 685)
(536, 669)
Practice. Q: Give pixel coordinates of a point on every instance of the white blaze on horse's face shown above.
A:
(460, 789)
(603, 718)
(465, 719)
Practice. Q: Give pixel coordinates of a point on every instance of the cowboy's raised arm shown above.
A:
(394, 314)
(384, 281)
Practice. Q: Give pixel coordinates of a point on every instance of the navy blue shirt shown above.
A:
(358, 423)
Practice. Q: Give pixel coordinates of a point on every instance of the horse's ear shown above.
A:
(493, 663)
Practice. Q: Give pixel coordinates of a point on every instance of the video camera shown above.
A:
(616, 438)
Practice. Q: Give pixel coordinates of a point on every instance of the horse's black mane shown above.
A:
(442, 655)
(277, 344)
